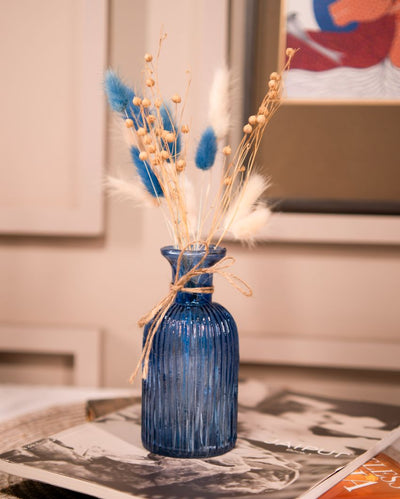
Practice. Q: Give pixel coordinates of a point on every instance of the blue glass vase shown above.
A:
(189, 398)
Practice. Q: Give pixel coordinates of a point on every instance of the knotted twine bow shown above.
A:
(157, 313)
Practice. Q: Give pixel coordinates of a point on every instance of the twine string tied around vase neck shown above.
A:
(157, 313)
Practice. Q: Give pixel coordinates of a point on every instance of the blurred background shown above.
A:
(77, 269)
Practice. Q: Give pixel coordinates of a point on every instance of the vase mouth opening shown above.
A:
(212, 250)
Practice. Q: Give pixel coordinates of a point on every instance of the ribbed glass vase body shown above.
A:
(189, 398)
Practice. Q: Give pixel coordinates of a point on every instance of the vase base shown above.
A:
(198, 454)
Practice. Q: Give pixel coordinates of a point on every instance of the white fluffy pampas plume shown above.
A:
(247, 227)
(128, 191)
(219, 110)
(245, 217)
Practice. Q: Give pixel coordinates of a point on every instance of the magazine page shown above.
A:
(288, 442)
(378, 478)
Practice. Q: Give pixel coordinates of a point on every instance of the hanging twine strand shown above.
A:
(157, 313)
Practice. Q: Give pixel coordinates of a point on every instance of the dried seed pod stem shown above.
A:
(159, 146)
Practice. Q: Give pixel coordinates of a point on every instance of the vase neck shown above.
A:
(188, 261)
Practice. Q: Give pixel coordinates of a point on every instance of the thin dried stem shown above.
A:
(157, 140)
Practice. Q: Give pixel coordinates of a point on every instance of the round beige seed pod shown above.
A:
(275, 76)
(170, 137)
(247, 128)
(141, 132)
(185, 129)
(227, 181)
(273, 94)
(164, 154)
(261, 119)
(252, 120)
(158, 103)
(147, 140)
(176, 98)
(242, 169)
(143, 155)
(128, 123)
(261, 110)
(146, 102)
(272, 84)
(151, 148)
(148, 57)
(150, 82)
(137, 100)
(151, 118)
(290, 52)
(180, 165)
(227, 150)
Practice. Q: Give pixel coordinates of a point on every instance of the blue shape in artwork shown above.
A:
(325, 20)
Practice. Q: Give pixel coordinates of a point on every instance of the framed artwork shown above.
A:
(348, 49)
(332, 150)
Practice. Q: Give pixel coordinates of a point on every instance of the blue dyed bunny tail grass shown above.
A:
(146, 174)
(118, 94)
(120, 98)
(170, 126)
(206, 150)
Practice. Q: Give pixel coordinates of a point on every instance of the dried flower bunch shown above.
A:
(158, 138)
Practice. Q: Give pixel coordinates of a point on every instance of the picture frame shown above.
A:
(312, 146)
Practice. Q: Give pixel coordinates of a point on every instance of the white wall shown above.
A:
(108, 282)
